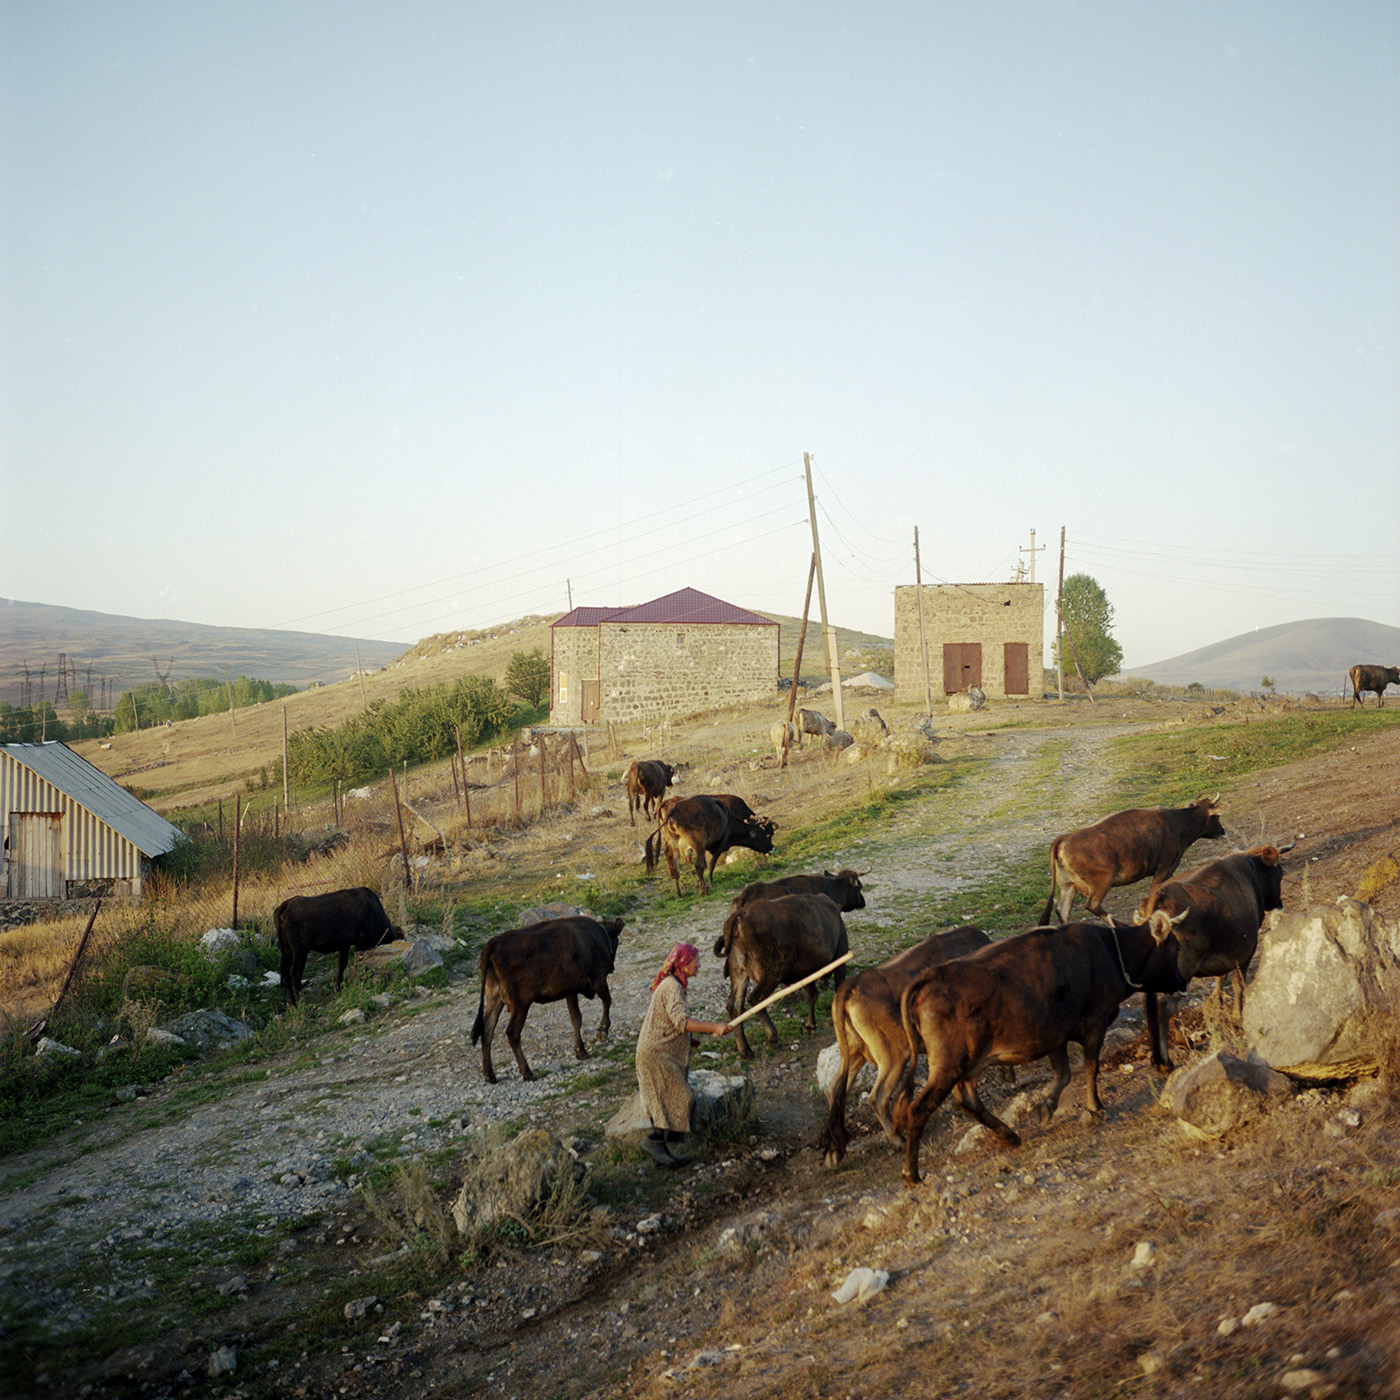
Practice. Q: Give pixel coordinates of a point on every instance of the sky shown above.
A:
(388, 319)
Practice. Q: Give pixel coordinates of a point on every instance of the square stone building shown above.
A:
(983, 634)
(677, 655)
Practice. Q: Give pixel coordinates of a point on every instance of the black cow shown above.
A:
(558, 958)
(701, 829)
(771, 943)
(865, 1017)
(1216, 913)
(339, 922)
(1124, 848)
(1019, 1000)
(1364, 678)
(646, 782)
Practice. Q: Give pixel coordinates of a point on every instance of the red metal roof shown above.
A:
(687, 606)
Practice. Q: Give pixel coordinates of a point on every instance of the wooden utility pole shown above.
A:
(286, 778)
(403, 843)
(797, 662)
(360, 671)
(923, 636)
(568, 584)
(833, 656)
(228, 685)
(1060, 621)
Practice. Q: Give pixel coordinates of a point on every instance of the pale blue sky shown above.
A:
(385, 319)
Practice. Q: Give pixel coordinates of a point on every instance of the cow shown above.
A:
(865, 1017)
(1124, 848)
(339, 922)
(784, 732)
(548, 961)
(1364, 678)
(1019, 1000)
(646, 782)
(814, 722)
(1216, 913)
(844, 887)
(773, 942)
(701, 829)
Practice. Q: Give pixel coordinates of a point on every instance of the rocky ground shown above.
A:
(237, 1219)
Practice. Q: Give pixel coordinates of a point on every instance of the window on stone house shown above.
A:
(680, 639)
(563, 687)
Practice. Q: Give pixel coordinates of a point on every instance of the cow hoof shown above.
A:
(910, 1181)
(1041, 1115)
(832, 1160)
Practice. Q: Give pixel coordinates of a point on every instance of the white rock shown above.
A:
(1145, 1255)
(1260, 1312)
(860, 1284)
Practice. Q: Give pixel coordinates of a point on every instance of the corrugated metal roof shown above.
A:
(686, 606)
(91, 788)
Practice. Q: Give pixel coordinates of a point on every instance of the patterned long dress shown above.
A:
(663, 1059)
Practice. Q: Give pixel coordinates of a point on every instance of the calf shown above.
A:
(773, 942)
(814, 722)
(1124, 848)
(339, 922)
(646, 782)
(865, 1017)
(701, 829)
(1016, 1001)
(1364, 678)
(558, 958)
(1216, 913)
(784, 732)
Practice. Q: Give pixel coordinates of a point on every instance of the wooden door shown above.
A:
(36, 855)
(1017, 661)
(591, 703)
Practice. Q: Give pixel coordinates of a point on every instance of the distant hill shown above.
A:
(95, 644)
(1300, 657)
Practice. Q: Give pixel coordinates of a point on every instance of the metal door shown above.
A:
(962, 666)
(1017, 661)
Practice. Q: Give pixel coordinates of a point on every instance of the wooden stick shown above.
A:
(788, 991)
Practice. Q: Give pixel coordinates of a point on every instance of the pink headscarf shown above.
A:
(678, 961)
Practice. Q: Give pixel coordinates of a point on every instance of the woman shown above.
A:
(663, 1056)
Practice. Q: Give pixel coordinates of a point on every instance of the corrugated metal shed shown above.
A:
(105, 832)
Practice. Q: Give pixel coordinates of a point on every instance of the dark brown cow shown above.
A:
(646, 782)
(865, 1017)
(1216, 913)
(701, 829)
(844, 888)
(774, 942)
(1364, 678)
(1019, 1000)
(556, 959)
(339, 922)
(1124, 848)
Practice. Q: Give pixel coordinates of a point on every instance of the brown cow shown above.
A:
(865, 1017)
(558, 958)
(1019, 1000)
(1216, 913)
(1124, 848)
(774, 942)
(338, 922)
(844, 887)
(701, 829)
(646, 782)
(1364, 678)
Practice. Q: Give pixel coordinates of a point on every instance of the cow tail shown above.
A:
(725, 941)
(907, 1086)
(479, 1026)
(1054, 864)
(650, 849)
(834, 1138)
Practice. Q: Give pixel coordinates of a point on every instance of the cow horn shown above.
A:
(1284, 850)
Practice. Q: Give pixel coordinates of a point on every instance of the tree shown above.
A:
(1088, 619)
(528, 676)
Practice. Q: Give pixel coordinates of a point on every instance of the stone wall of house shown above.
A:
(574, 660)
(653, 669)
(991, 615)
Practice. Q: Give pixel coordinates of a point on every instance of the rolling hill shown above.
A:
(1300, 657)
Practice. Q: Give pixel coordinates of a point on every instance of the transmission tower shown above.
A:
(164, 676)
(60, 690)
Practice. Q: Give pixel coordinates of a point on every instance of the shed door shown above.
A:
(1017, 660)
(591, 703)
(962, 666)
(36, 855)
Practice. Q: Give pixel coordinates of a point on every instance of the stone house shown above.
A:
(677, 655)
(985, 634)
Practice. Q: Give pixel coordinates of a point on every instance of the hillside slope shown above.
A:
(1300, 657)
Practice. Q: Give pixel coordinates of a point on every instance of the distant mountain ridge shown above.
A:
(1309, 657)
(127, 650)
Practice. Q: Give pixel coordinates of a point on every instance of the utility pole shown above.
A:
(923, 636)
(1033, 551)
(1060, 621)
(568, 584)
(832, 653)
(360, 671)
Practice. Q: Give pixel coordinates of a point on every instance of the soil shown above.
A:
(1009, 1272)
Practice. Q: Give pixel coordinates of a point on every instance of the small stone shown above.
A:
(1145, 1255)
(224, 1361)
(1294, 1381)
(356, 1308)
(649, 1225)
(1228, 1326)
(237, 1284)
(1150, 1362)
(1258, 1313)
(353, 1017)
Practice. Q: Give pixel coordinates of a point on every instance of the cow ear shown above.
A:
(1160, 925)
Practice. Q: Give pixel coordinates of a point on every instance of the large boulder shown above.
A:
(829, 1066)
(1325, 991)
(208, 1030)
(515, 1180)
(416, 956)
(1221, 1092)
(721, 1100)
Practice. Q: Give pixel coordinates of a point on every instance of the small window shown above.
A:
(680, 639)
(563, 687)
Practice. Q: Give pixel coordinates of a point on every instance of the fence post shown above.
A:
(398, 812)
(515, 764)
(544, 798)
(237, 826)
